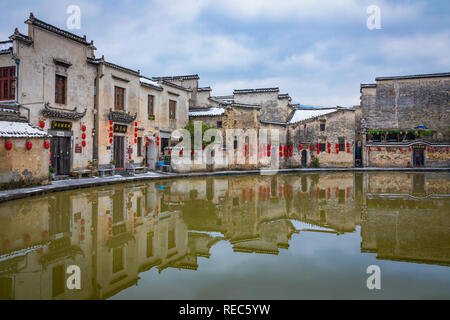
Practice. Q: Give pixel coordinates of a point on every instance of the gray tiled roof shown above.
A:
(44, 25)
(182, 77)
(417, 76)
(258, 90)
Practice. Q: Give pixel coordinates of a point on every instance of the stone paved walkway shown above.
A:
(71, 184)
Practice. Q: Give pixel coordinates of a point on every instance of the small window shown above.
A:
(60, 89)
(219, 124)
(149, 244)
(322, 147)
(172, 109)
(171, 239)
(322, 127)
(139, 147)
(151, 110)
(58, 280)
(235, 144)
(7, 83)
(341, 142)
(119, 98)
(117, 259)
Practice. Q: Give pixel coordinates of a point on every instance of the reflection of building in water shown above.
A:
(115, 233)
(407, 219)
(41, 238)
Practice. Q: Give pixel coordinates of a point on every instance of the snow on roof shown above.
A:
(304, 114)
(149, 82)
(210, 112)
(9, 129)
(5, 45)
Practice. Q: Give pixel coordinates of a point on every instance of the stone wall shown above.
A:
(306, 133)
(20, 166)
(407, 103)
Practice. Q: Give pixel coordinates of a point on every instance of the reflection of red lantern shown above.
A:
(83, 135)
(45, 235)
(42, 124)
(83, 143)
(8, 145)
(46, 144)
(29, 145)
(27, 239)
(83, 128)
(6, 244)
(268, 153)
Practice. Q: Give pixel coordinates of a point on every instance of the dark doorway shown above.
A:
(119, 152)
(61, 153)
(304, 158)
(418, 157)
(358, 154)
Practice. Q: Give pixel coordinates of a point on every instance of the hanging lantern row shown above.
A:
(111, 131)
(135, 132)
(28, 145)
(429, 149)
(147, 141)
(83, 135)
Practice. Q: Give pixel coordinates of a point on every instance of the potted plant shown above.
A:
(52, 172)
(91, 165)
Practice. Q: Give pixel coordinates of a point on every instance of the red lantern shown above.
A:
(8, 145)
(83, 128)
(110, 134)
(285, 154)
(329, 150)
(379, 148)
(300, 147)
(46, 144)
(281, 148)
(29, 145)
(401, 149)
(135, 124)
(181, 153)
(110, 128)
(83, 143)
(390, 150)
(135, 129)
(42, 124)
(290, 148)
(348, 145)
(110, 140)
(348, 150)
(281, 154)
(337, 151)
(268, 147)
(110, 122)
(135, 140)
(370, 150)
(436, 149)
(337, 146)
(147, 143)
(318, 151)
(310, 148)
(83, 135)
(170, 152)
(285, 148)
(290, 154)
(268, 153)
(329, 145)
(446, 149)
(410, 149)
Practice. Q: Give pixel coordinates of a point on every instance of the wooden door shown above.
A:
(61, 154)
(119, 151)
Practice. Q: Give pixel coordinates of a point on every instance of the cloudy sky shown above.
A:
(319, 51)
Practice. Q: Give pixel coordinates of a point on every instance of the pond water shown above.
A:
(289, 236)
